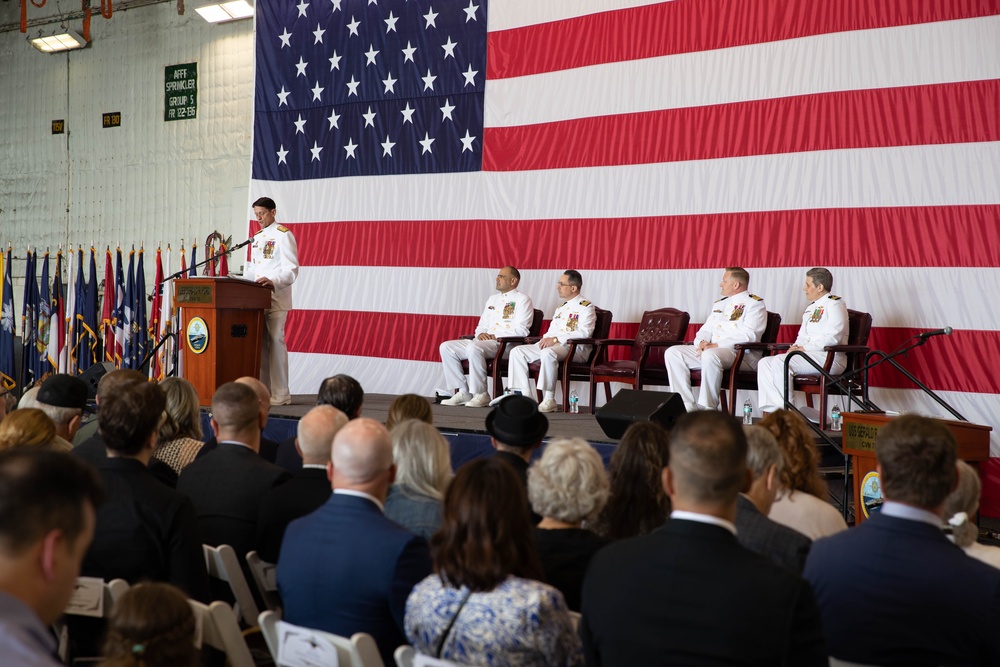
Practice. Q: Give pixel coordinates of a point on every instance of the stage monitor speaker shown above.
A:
(629, 406)
(94, 374)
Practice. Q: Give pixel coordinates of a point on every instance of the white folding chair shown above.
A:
(575, 617)
(112, 592)
(421, 660)
(264, 574)
(358, 651)
(223, 564)
(220, 630)
(404, 655)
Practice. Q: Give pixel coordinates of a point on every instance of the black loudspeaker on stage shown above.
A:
(629, 406)
(94, 374)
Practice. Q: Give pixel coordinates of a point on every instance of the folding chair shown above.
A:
(223, 564)
(264, 578)
(358, 651)
(220, 630)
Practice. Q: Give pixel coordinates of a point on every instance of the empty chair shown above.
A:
(221, 631)
(358, 651)
(264, 578)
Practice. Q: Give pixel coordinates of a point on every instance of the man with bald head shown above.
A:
(226, 484)
(688, 593)
(268, 449)
(346, 568)
(308, 488)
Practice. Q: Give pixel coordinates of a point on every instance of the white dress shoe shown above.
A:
(548, 405)
(461, 398)
(479, 401)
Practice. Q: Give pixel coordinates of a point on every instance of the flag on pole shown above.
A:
(119, 312)
(193, 272)
(7, 329)
(223, 261)
(70, 323)
(154, 315)
(43, 367)
(77, 333)
(29, 315)
(57, 321)
(165, 357)
(139, 325)
(210, 255)
(184, 266)
(87, 316)
(108, 307)
(128, 353)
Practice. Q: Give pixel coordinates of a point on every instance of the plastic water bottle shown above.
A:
(835, 419)
(574, 403)
(747, 412)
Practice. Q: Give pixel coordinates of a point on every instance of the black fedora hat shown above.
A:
(516, 421)
(64, 391)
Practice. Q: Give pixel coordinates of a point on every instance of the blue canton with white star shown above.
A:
(368, 87)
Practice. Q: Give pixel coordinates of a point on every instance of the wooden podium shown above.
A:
(222, 322)
(860, 429)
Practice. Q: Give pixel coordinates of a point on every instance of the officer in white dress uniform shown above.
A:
(824, 322)
(738, 317)
(274, 263)
(573, 319)
(508, 313)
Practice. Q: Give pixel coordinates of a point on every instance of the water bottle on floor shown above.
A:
(574, 403)
(747, 412)
(835, 419)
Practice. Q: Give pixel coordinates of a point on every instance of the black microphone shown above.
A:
(241, 245)
(937, 332)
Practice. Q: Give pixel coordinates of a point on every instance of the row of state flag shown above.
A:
(68, 329)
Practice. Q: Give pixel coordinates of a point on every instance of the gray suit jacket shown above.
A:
(782, 545)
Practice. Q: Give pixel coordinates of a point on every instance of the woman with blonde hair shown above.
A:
(152, 625)
(423, 470)
(180, 433)
(800, 503)
(27, 427)
(409, 406)
(960, 509)
(567, 486)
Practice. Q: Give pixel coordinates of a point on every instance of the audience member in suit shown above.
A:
(346, 568)
(786, 547)
(960, 509)
(47, 502)
(145, 530)
(423, 470)
(268, 448)
(484, 604)
(308, 488)
(688, 593)
(27, 427)
(64, 399)
(637, 504)
(567, 486)
(342, 392)
(180, 436)
(516, 428)
(227, 484)
(93, 451)
(801, 502)
(929, 603)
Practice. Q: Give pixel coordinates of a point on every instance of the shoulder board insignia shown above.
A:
(834, 298)
(258, 231)
(756, 298)
(722, 299)
(282, 228)
(584, 303)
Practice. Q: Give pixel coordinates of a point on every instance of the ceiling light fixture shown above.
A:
(64, 40)
(221, 12)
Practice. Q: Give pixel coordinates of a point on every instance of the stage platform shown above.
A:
(458, 419)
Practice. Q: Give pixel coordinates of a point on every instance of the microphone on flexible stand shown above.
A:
(937, 332)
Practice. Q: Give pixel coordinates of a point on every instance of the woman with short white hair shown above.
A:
(423, 471)
(567, 486)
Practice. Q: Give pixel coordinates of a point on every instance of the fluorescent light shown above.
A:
(226, 11)
(64, 40)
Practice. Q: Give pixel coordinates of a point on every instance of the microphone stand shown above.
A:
(185, 272)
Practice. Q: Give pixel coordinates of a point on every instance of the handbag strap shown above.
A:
(447, 631)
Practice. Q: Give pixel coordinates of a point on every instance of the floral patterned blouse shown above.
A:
(519, 623)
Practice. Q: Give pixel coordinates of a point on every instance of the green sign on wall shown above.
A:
(180, 91)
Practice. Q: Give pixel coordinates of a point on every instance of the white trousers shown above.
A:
(274, 355)
(713, 362)
(550, 357)
(476, 352)
(771, 386)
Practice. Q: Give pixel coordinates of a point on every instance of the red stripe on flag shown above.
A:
(907, 116)
(936, 236)
(685, 26)
(944, 363)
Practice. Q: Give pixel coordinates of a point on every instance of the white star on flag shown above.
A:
(350, 148)
(428, 80)
(446, 110)
(470, 12)
(430, 16)
(283, 96)
(370, 55)
(316, 92)
(353, 26)
(467, 142)
(335, 61)
(281, 154)
(408, 52)
(352, 86)
(470, 76)
(285, 38)
(426, 143)
(369, 117)
(334, 120)
(387, 147)
(389, 82)
(301, 67)
(318, 34)
(315, 150)
(407, 114)
(390, 23)
(302, 6)
(300, 125)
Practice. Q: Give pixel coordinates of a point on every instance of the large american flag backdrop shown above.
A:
(415, 146)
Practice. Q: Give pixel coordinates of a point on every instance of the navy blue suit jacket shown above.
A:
(898, 592)
(346, 568)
